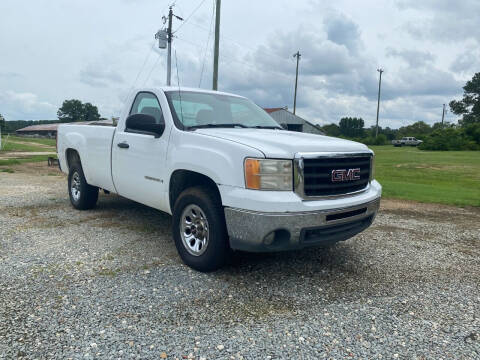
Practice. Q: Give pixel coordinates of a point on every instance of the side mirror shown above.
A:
(145, 124)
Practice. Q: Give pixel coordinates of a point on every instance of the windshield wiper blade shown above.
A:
(205, 126)
(266, 127)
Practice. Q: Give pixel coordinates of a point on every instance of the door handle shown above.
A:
(123, 145)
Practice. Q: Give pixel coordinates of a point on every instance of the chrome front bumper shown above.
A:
(266, 231)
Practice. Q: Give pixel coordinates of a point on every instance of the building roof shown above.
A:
(53, 127)
(43, 127)
(270, 110)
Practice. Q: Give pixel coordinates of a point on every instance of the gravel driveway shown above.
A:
(108, 283)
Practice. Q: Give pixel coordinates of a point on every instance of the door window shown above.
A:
(147, 103)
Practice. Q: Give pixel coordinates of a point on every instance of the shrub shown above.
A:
(450, 139)
(381, 139)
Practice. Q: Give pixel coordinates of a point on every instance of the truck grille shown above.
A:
(317, 175)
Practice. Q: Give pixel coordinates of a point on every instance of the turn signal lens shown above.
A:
(268, 174)
(252, 174)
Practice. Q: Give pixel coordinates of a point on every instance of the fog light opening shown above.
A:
(277, 238)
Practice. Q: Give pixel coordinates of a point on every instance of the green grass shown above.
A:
(445, 177)
(50, 142)
(16, 161)
(11, 146)
(7, 170)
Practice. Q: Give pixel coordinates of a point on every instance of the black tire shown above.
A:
(215, 253)
(87, 195)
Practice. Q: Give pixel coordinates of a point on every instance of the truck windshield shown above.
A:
(205, 110)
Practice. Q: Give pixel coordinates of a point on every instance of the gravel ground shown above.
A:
(108, 283)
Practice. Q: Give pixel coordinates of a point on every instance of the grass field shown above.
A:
(50, 142)
(446, 177)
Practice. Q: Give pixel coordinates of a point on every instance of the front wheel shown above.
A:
(199, 229)
(82, 195)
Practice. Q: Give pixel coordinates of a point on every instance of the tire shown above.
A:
(199, 229)
(82, 195)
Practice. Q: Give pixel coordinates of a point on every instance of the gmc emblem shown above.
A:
(345, 175)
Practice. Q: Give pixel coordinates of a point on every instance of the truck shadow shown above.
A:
(313, 261)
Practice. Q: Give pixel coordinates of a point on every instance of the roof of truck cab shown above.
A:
(198, 90)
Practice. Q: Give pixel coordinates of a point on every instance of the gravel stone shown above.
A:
(108, 283)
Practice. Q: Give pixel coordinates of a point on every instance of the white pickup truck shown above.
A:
(232, 178)
(407, 141)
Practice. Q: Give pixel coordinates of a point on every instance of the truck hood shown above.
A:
(282, 143)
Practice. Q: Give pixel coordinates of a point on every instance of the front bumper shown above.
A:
(266, 231)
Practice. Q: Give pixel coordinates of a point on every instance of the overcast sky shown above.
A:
(96, 51)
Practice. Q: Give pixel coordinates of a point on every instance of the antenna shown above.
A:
(178, 82)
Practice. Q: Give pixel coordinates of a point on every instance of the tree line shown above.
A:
(462, 136)
(70, 111)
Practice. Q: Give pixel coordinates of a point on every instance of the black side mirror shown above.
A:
(144, 124)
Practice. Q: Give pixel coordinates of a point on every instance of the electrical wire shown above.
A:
(189, 16)
(140, 71)
(206, 46)
(250, 65)
(151, 70)
(178, 82)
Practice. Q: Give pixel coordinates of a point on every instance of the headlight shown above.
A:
(372, 167)
(266, 174)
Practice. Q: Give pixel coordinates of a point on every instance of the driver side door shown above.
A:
(138, 159)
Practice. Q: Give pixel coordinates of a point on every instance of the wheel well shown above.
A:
(183, 179)
(72, 157)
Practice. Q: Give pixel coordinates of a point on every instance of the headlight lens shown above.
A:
(372, 167)
(267, 174)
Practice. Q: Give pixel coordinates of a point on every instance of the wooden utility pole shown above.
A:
(443, 114)
(217, 44)
(169, 50)
(378, 102)
(297, 55)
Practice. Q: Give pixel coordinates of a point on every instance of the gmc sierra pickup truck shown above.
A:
(230, 176)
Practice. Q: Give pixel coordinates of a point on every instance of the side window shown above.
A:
(147, 103)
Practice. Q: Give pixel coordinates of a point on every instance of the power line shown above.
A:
(206, 46)
(151, 70)
(191, 14)
(141, 70)
(250, 65)
(225, 38)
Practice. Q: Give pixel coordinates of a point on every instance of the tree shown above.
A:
(331, 130)
(469, 106)
(90, 112)
(352, 127)
(419, 130)
(74, 110)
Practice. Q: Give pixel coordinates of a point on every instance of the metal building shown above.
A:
(293, 122)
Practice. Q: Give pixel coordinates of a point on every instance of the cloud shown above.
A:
(467, 62)
(342, 31)
(25, 106)
(414, 58)
(97, 75)
(443, 20)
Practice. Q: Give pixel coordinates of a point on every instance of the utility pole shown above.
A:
(160, 35)
(169, 50)
(297, 55)
(378, 102)
(217, 45)
(443, 114)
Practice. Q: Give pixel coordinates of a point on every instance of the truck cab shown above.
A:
(231, 177)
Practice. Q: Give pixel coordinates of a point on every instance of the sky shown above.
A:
(100, 51)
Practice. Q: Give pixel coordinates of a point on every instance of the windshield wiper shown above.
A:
(205, 126)
(266, 127)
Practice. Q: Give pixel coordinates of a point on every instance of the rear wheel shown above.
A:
(199, 229)
(82, 195)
